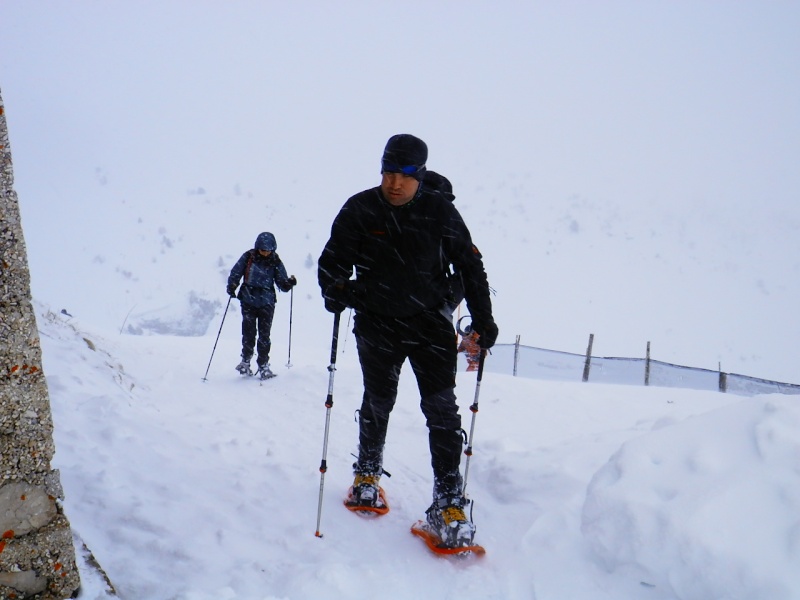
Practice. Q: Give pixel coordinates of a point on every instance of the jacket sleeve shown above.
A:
(339, 255)
(468, 262)
(237, 272)
(281, 277)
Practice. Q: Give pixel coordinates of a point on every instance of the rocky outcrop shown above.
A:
(37, 557)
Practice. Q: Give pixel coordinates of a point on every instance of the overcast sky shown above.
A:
(653, 102)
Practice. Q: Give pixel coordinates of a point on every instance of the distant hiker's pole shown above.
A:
(474, 409)
(291, 309)
(215, 342)
(328, 405)
(121, 327)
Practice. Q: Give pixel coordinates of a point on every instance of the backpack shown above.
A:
(441, 185)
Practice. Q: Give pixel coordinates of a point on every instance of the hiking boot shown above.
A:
(365, 490)
(264, 372)
(244, 367)
(447, 519)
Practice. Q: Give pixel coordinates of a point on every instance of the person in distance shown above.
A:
(260, 270)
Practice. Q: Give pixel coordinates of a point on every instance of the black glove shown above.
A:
(334, 306)
(232, 291)
(292, 281)
(342, 294)
(335, 297)
(487, 331)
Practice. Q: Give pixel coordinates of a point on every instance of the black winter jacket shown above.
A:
(261, 275)
(401, 255)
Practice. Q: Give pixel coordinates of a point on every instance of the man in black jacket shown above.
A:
(400, 239)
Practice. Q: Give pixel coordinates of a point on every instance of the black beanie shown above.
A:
(405, 153)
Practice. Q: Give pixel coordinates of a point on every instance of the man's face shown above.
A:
(265, 252)
(398, 188)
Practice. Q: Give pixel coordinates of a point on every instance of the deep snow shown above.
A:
(627, 171)
(196, 490)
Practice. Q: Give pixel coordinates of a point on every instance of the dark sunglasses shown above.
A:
(407, 170)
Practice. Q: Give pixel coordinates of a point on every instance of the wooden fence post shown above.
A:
(587, 364)
(723, 380)
(516, 355)
(647, 366)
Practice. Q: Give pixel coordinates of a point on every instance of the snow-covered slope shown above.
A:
(192, 489)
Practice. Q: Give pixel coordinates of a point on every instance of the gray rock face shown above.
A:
(37, 557)
(25, 508)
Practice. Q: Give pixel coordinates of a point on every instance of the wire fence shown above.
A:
(540, 363)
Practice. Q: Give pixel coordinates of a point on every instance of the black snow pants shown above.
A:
(428, 340)
(257, 320)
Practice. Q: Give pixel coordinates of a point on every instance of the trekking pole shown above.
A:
(474, 409)
(328, 405)
(291, 309)
(349, 314)
(215, 342)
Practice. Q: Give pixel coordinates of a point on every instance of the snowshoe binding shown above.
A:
(244, 368)
(366, 496)
(447, 530)
(264, 372)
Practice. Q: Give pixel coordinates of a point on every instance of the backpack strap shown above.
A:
(251, 256)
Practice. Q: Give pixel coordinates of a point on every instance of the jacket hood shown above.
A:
(266, 241)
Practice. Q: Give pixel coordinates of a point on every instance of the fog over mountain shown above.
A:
(627, 171)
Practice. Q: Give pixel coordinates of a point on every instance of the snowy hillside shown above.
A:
(194, 490)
